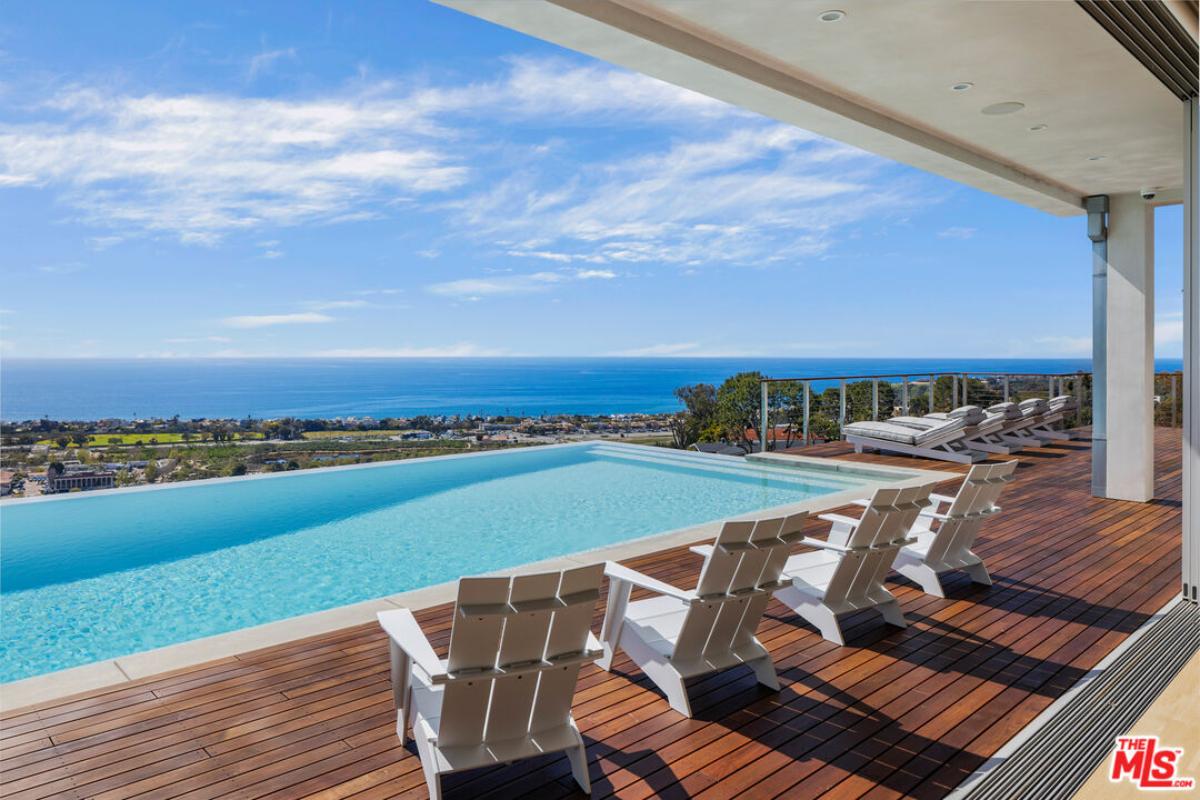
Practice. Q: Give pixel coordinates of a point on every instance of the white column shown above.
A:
(1191, 352)
(1130, 346)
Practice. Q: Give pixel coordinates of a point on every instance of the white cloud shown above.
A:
(460, 350)
(1045, 346)
(266, 320)
(1168, 329)
(468, 288)
(199, 166)
(502, 284)
(680, 348)
(594, 274)
(264, 61)
(760, 193)
(327, 305)
(956, 233)
(197, 340)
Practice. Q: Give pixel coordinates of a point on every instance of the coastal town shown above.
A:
(53, 456)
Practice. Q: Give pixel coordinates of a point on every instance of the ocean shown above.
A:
(79, 389)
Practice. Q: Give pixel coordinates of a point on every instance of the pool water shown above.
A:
(95, 576)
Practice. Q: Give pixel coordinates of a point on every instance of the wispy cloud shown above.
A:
(328, 305)
(1049, 346)
(1168, 329)
(760, 193)
(956, 233)
(198, 340)
(267, 320)
(199, 166)
(674, 349)
(459, 350)
(264, 61)
(474, 288)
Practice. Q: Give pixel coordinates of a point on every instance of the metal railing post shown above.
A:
(904, 396)
(875, 399)
(842, 412)
(806, 408)
(763, 421)
(1006, 394)
(932, 383)
(1050, 390)
(1174, 397)
(966, 388)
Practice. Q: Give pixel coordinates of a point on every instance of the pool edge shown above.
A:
(25, 693)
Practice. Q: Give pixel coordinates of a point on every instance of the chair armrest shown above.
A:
(401, 626)
(941, 498)
(862, 502)
(702, 550)
(931, 514)
(617, 572)
(808, 541)
(839, 519)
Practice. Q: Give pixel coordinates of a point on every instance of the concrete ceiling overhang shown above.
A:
(1093, 120)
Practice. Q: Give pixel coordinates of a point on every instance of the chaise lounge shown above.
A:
(947, 439)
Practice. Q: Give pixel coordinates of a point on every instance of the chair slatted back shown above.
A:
(522, 623)
(736, 581)
(884, 525)
(975, 501)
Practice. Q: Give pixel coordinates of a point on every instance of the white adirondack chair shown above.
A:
(684, 634)
(846, 572)
(505, 691)
(948, 546)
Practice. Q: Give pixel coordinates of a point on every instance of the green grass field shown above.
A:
(102, 439)
(349, 434)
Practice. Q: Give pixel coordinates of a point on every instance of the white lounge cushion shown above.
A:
(903, 434)
(1064, 402)
(1011, 411)
(1034, 406)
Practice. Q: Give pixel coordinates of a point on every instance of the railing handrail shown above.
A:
(943, 373)
(959, 391)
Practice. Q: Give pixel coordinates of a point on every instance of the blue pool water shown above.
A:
(89, 577)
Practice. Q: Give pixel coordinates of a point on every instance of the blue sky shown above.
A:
(382, 179)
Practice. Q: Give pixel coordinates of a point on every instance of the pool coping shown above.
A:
(114, 672)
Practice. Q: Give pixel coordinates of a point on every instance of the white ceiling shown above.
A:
(880, 79)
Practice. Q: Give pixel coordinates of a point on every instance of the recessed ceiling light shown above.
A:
(962, 87)
(996, 109)
(1038, 127)
(1095, 158)
(833, 15)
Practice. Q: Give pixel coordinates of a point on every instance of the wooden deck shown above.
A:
(897, 713)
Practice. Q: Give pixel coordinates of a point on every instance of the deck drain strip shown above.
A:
(1059, 756)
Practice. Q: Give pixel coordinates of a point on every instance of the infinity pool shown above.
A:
(88, 577)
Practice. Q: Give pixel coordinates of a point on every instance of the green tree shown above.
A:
(62, 441)
(738, 404)
(80, 438)
(151, 471)
(698, 417)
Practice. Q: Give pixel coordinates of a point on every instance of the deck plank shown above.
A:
(898, 713)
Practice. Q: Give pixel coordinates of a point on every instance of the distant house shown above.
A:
(60, 478)
(6, 481)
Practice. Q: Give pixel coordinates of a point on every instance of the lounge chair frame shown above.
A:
(685, 634)
(947, 548)
(504, 693)
(846, 573)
